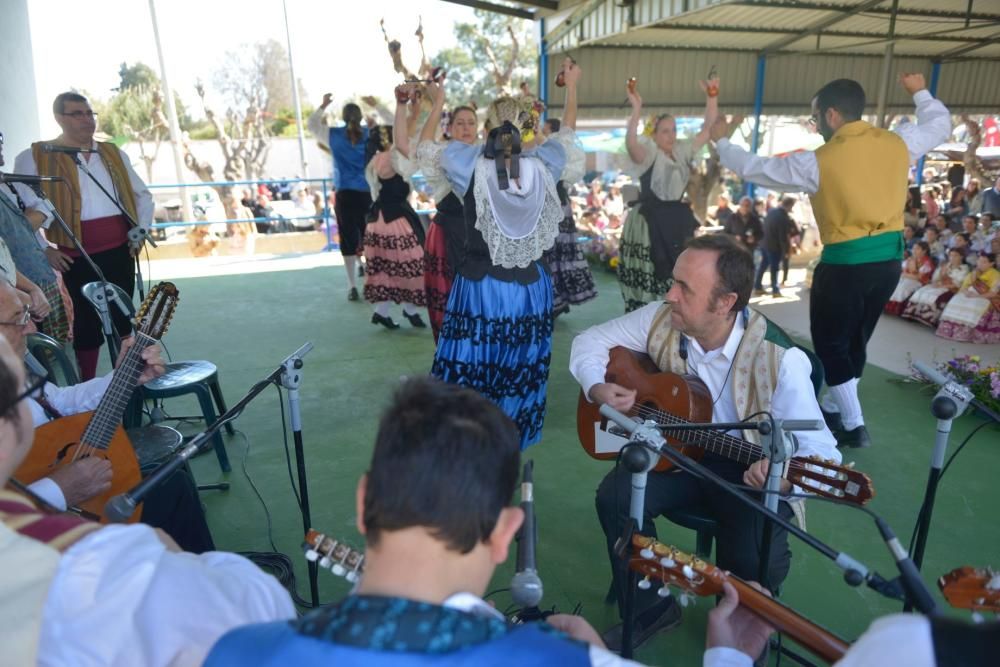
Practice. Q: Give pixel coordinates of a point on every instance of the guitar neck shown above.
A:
(108, 415)
(827, 646)
(723, 444)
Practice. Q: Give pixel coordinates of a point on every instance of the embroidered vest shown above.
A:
(30, 544)
(66, 196)
(755, 369)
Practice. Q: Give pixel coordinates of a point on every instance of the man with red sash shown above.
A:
(857, 184)
(92, 216)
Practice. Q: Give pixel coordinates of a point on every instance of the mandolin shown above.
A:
(669, 398)
(100, 433)
(975, 588)
(334, 555)
(689, 573)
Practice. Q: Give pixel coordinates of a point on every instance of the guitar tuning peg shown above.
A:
(663, 592)
(325, 562)
(850, 466)
(647, 553)
(688, 572)
(686, 599)
(645, 584)
(352, 576)
(977, 618)
(667, 562)
(339, 570)
(312, 555)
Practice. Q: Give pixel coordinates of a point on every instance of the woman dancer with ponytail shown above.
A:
(353, 198)
(497, 333)
(446, 234)
(656, 230)
(394, 239)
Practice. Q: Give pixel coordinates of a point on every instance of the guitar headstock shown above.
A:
(334, 555)
(831, 480)
(657, 561)
(157, 310)
(975, 588)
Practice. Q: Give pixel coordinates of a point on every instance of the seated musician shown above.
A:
(75, 593)
(748, 365)
(174, 506)
(435, 511)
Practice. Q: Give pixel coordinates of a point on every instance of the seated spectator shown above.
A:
(927, 303)
(917, 272)
(973, 314)
(595, 198)
(937, 248)
(909, 238)
(614, 206)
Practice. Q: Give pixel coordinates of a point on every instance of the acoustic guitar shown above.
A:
(669, 398)
(675, 568)
(975, 588)
(100, 433)
(334, 555)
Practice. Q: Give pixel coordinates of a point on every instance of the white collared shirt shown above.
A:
(794, 396)
(94, 203)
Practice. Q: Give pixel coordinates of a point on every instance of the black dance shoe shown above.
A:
(415, 320)
(352, 294)
(384, 321)
(855, 438)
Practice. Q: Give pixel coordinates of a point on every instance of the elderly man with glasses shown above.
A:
(94, 218)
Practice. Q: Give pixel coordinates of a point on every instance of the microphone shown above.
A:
(28, 179)
(137, 235)
(58, 148)
(526, 586)
(951, 401)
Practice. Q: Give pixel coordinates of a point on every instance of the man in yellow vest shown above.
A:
(91, 214)
(857, 183)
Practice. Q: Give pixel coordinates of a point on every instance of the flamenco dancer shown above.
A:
(656, 230)
(347, 144)
(446, 234)
(572, 281)
(497, 333)
(393, 241)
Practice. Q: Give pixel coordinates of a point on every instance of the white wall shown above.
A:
(18, 98)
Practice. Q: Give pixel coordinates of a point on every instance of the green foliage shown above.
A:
(202, 130)
(132, 105)
(470, 71)
(138, 75)
(284, 124)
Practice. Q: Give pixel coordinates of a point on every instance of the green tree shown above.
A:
(494, 54)
(139, 74)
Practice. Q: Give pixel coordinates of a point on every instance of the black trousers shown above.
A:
(118, 267)
(175, 508)
(739, 533)
(845, 303)
(351, 208)
(771, 262)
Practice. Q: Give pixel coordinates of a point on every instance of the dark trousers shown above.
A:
(738, 535)
(351, 208)
(175, 508)
(771, 262)
(118, 267)
(845, 303)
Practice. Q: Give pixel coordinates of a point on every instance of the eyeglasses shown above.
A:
(80, 115)
(814, 120)
(37, 382)
(20, 321)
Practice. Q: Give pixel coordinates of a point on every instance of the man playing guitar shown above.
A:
(748, 365)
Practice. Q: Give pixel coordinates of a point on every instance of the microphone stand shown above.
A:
(646, 439)
(288, 375)
(107, 290)
(134, 236)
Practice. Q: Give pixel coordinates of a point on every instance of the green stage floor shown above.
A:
(248, 323)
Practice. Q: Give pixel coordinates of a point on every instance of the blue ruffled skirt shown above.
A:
(497, 339)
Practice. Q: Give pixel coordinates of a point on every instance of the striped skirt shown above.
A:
(438, 276)
(572, 281)
(636, 272)
(395, 263)
(497, 339)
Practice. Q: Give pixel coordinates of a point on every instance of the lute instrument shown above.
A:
(100, 432)
(974, 588)
(334, 555)
(669, 398)
(656, 561)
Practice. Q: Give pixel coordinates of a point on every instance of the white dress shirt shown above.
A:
(898, 639)
(794, 396)
(799, 172)
(94, 203)
(120, 598)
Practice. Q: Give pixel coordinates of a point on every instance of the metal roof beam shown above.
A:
(576, 18)
(495, 8)
(886, 11)
(549, 5)
(968, 48)
(798, 34)
(819, 26)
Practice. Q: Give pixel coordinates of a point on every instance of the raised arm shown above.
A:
(436, 92)
(401, 125)
(711, 89)
(797, 172)
(933, 125)
(317, 122)
(635, 152)
(571, 74)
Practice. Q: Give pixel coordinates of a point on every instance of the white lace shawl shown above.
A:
(519, 223)
(401, 164)
(670, 176)
(576, 159)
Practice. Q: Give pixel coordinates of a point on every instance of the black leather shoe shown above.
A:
(352, 294)
(415, 320)
(855, 438)
(833, 420)
(361, 270)
(384, 321)
(668, 619)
